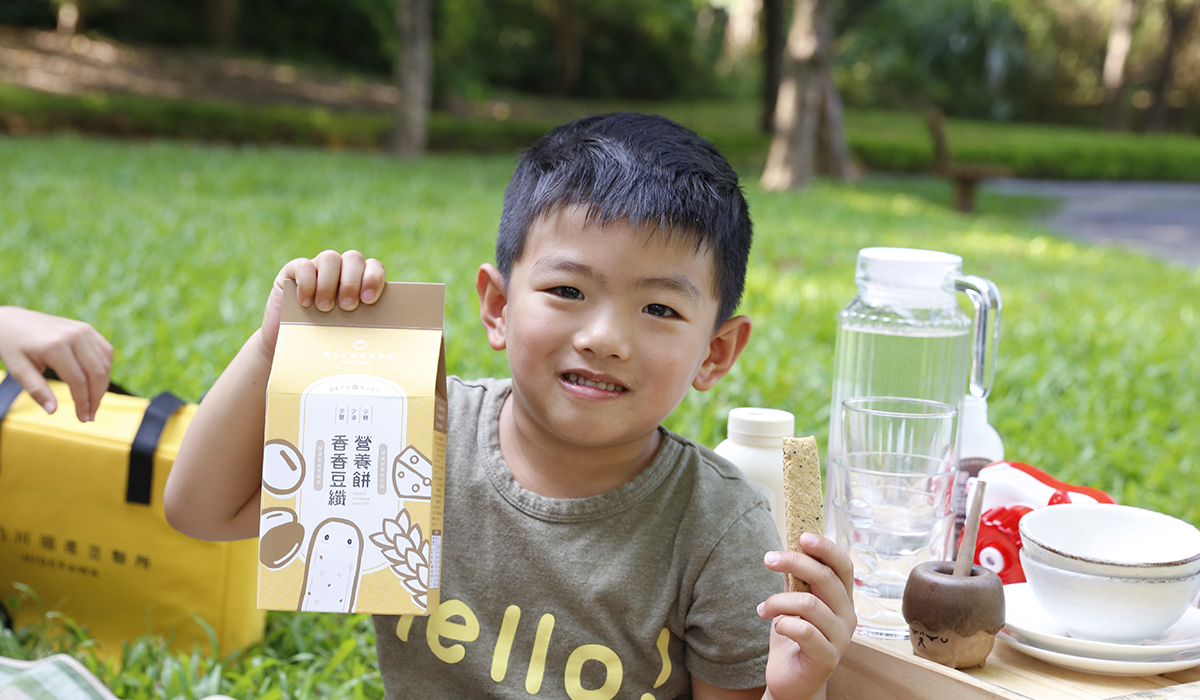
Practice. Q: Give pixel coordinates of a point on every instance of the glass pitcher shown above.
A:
(905, 334)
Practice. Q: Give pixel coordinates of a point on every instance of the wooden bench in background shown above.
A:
(964, 176)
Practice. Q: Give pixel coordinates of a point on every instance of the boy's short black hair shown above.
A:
(645, 169)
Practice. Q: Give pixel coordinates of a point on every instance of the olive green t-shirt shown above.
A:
(622, 595)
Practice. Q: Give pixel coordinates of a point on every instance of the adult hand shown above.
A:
(31, 341)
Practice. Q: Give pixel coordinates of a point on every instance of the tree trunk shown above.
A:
(222, 16)
(1179, 20)
(741, 31)
(414, 72)
(833, 151)
(772, 30)
(67, 17)
(1120, 38)
(568, 46)
(808, 110)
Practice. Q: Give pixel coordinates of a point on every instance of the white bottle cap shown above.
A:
(761, 422)
(906, 276)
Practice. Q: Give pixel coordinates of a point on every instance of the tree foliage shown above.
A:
(628, 48)
(1033, 60)
(967, 57)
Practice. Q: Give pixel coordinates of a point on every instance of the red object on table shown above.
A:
(1014, 489)
(999, 542)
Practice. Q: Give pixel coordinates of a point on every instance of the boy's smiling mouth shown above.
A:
(579, 380)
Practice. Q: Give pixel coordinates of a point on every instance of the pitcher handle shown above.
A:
(985, 297)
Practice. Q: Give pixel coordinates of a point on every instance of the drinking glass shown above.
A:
(890, 499)
(889, 511)
(899, 425)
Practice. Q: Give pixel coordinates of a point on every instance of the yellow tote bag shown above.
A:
(82, 524)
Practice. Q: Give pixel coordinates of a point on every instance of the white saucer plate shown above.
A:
(1028, 623)
(1102, 667)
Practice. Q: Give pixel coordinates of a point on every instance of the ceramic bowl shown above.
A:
(1105, 539)
(1109, 608)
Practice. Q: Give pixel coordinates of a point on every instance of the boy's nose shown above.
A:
(606, 334)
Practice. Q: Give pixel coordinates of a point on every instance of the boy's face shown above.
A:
(606, 328)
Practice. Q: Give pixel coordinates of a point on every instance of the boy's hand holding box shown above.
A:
(354, 456)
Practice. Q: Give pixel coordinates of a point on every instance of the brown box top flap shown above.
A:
(415, 305)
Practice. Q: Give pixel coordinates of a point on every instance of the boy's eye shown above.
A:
(566, 292)
(661, 310)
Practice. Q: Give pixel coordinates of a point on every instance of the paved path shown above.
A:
(1157, 219)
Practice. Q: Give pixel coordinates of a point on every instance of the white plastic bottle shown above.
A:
(979, 446)
(755, 445)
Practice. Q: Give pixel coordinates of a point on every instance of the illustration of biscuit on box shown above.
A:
(354, 457)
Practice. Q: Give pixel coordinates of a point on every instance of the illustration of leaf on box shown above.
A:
(407, 552)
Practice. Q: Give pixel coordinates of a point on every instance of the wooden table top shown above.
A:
(877, 670)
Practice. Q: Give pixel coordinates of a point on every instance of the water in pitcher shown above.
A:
(910, 361)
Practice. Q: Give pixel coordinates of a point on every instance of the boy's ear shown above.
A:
(723, 350)
(492, 302)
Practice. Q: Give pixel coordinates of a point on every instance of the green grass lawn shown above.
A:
(169, 249)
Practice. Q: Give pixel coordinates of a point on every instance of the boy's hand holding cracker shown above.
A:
(814, 621)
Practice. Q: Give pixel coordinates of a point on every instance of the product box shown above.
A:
(354, 456)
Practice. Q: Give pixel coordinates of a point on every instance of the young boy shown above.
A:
(588, 552)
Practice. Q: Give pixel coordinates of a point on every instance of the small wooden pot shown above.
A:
(953, 620)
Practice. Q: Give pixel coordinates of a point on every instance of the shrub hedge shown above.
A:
(901, 142)
(880, 141)
(27, 111)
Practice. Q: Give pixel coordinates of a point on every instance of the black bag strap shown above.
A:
(141, 454)
(113, 387)
(145, 442)
(9, 391)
